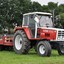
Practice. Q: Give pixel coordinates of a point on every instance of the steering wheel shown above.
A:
(47, 25)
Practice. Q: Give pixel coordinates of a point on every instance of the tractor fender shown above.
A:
(25, 29)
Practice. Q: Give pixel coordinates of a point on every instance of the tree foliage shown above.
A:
(11, 10)
(36, 6)
(52, 5)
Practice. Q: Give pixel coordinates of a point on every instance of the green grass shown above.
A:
(9, 57)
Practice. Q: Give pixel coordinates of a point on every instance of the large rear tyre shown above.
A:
(44, 48)
(21, 44)
(61, 49)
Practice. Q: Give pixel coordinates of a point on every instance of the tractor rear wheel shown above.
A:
(44, 48)
(21, 44)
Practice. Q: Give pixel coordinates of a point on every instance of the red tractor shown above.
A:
(37, 31)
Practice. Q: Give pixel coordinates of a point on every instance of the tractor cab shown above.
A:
(36, 20)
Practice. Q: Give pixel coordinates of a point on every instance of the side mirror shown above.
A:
(36, 19)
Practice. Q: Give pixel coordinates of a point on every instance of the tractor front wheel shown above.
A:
(44, 48)
(61, 49)
(21, 44)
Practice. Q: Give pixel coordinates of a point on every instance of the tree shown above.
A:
(11, 10)
(36, 6)
(52, 5)
(61, 8)
(45, 8)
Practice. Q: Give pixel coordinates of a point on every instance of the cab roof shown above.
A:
(43, 13)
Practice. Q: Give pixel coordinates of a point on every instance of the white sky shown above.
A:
(44, 2)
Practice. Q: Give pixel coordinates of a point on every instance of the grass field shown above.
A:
(9, 57)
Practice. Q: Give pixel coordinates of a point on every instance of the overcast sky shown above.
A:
(44, 2)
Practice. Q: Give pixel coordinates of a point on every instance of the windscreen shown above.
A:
(45, 21)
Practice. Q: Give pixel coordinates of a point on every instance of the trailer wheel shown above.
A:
(1, 47)
(44, 48)
(21, 44)
(61, 49)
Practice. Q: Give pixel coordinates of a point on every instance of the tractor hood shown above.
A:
(52, 28)
(59, 33)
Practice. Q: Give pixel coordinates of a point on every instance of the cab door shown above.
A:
(32, 25)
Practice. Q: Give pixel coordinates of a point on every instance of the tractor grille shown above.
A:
(60, 35)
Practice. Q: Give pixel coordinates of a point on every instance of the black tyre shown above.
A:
(44, 48)
(21, 44)
(35, 48)
(1, 47)
(61, 49)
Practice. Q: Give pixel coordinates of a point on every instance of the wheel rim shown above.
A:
(62, 49)
(18, 42)
(42, 49)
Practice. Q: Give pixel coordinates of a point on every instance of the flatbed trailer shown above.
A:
(6, 40)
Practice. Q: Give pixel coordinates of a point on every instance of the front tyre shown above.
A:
(61, 49)
(21, 44)
(44, 48)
